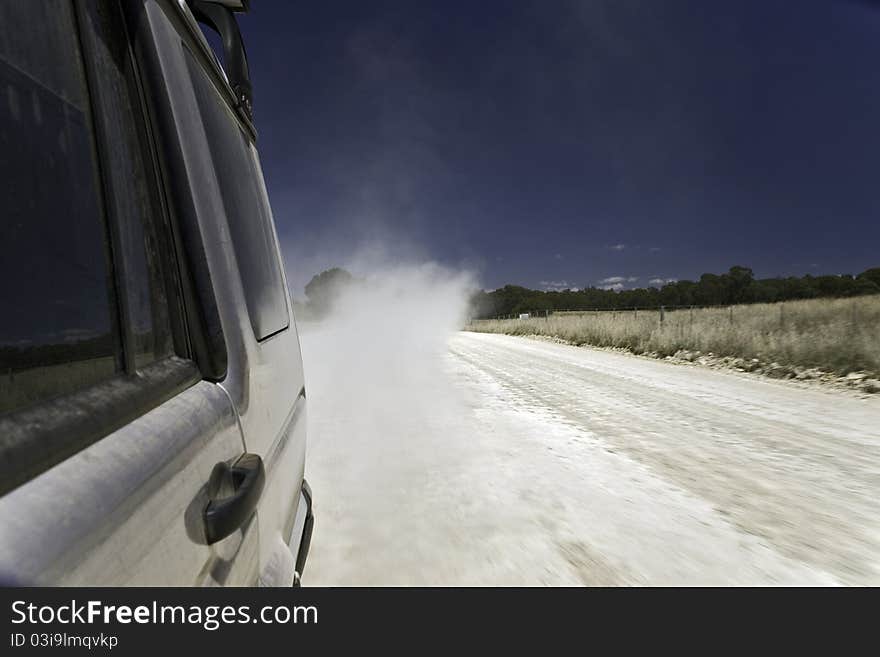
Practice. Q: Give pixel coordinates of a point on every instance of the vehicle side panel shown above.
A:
(128, 509)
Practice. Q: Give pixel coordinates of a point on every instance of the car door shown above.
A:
(270, 394)
(117, 458)
(265, 378)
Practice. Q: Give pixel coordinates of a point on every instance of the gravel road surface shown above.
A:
(498, 460)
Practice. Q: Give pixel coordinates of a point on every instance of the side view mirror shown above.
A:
(219, 16)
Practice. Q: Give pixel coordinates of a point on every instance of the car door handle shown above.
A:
(233, 492)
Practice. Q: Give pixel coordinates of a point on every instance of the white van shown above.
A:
(152, 400)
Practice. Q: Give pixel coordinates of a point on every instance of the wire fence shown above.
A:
(661, 312)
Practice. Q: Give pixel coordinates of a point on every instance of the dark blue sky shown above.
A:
(571, 141)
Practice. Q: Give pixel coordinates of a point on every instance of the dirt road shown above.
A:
(504, 460)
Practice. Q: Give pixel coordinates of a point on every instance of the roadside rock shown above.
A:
(861, 381)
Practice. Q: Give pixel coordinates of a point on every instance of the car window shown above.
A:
(83, 280)
(59, 329)
(247, 209)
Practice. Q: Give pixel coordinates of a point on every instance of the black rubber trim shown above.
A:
(222, 20)
(34, 439)
(274, 333)
(306, 541)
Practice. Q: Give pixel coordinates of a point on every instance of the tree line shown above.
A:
(738, 285)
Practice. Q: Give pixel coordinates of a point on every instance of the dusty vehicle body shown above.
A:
(152, 399)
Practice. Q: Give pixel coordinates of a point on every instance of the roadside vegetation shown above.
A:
(737, 286)
(808, 339)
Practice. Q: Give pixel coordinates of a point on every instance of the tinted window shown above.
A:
(247, 210)
(58, 329)
(82, 283)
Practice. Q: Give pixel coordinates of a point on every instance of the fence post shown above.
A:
(731, 314)
(635, 313)
(692, 316)
(662, 315)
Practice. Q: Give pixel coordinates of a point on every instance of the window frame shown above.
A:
(220, 143)
(108, 185)
(202, 54)
(41, 435)
(205, 330)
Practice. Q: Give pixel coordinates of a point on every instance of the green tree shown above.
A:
(739, 280)
(872, 275)
(324, 288)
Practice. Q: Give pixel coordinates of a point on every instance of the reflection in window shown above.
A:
(58, 329)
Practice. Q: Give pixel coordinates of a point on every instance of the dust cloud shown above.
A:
(380, 347)
(383, 423)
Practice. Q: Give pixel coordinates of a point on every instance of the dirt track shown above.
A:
(510, 461)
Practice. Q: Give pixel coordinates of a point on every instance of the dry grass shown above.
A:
(835, 335)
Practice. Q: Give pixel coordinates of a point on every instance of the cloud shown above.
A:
(662, 281)
(617, 247)
(618, 279)
(555, 286)
(616, 283)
